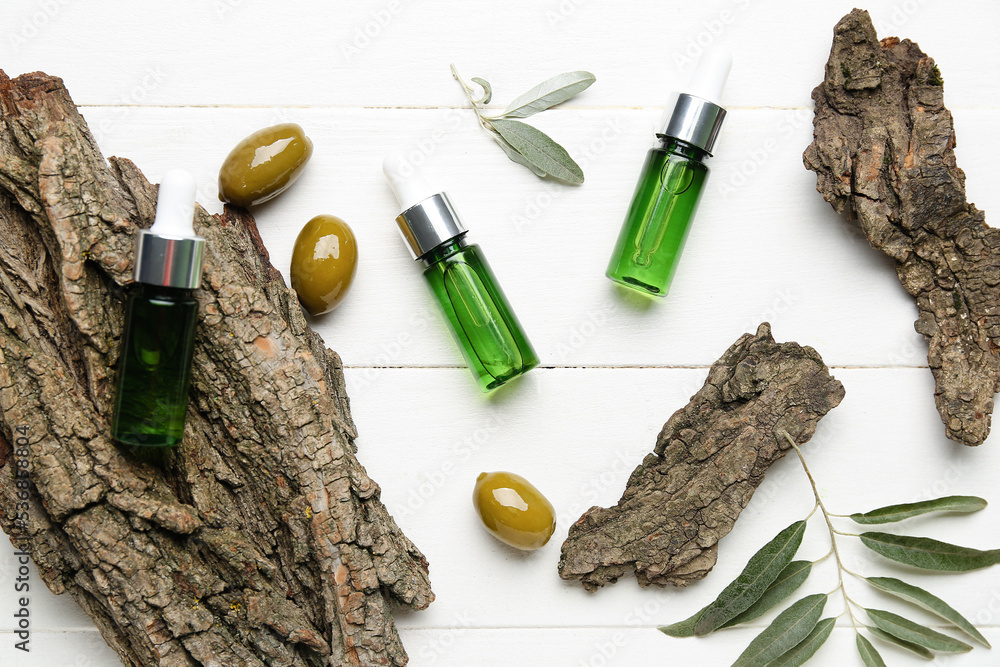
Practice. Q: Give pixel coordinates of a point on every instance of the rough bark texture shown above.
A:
(261, 540)
(709, 458)
(884, 154)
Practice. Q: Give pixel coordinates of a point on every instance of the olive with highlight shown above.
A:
(513, 510)
(324, 261)
(264, 165)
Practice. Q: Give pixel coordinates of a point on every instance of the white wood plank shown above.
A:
(628, 647)
(764, 246)
(500, 647)
(241, 52)
(80, 648)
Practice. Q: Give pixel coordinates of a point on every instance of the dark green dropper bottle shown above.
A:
(671, 182)
(482, 321)
(154, 364)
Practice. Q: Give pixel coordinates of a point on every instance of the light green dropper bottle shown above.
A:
(670, 185)
(481, 319)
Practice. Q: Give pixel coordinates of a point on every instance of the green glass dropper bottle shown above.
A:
(481, 319)
(154, 365)
(670, 185)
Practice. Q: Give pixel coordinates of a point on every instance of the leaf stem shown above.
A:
(829, 524)
(815, 507)
(823, 557)
(468, 94)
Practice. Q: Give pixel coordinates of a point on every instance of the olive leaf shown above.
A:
(487, 90)
(894, 513)
(902, 643)
(513, 154)
(868, 653)
(683, 628)
(929, 554)
(806, 648)
(786, 631)
(907, 630)
(539, 149)
(523, 143)
(549, 93)
(786, 582)
(758, 574)
(793, 576)
(928, 602)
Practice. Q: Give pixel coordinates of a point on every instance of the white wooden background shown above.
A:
(171, 84)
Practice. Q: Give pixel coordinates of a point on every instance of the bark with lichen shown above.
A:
(884, 154)
(709, 459)
(261, 540)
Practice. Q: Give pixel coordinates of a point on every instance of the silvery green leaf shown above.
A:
(928, 553)
(806, 648)
(539, 149)
(549, 93)
(786, 631)
(894, 513)
(907, 630)
(902, 643)
(929, 602)
(868, 653)
(487, 90)
(514, 155)
(759, 573)
(793, 576)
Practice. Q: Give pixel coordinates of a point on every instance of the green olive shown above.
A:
(264, 165)
(324, 261)
(513, 510)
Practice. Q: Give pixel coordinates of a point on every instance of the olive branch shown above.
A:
(798, 632)
(523, 143)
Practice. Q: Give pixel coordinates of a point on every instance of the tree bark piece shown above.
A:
(261, 540)
(709, 458)
(884, 154)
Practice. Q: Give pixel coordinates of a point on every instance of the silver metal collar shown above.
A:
(429, 223)
(693, 120)
(168, 262)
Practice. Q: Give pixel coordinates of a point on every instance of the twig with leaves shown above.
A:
(797, 633)
(523, 143)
